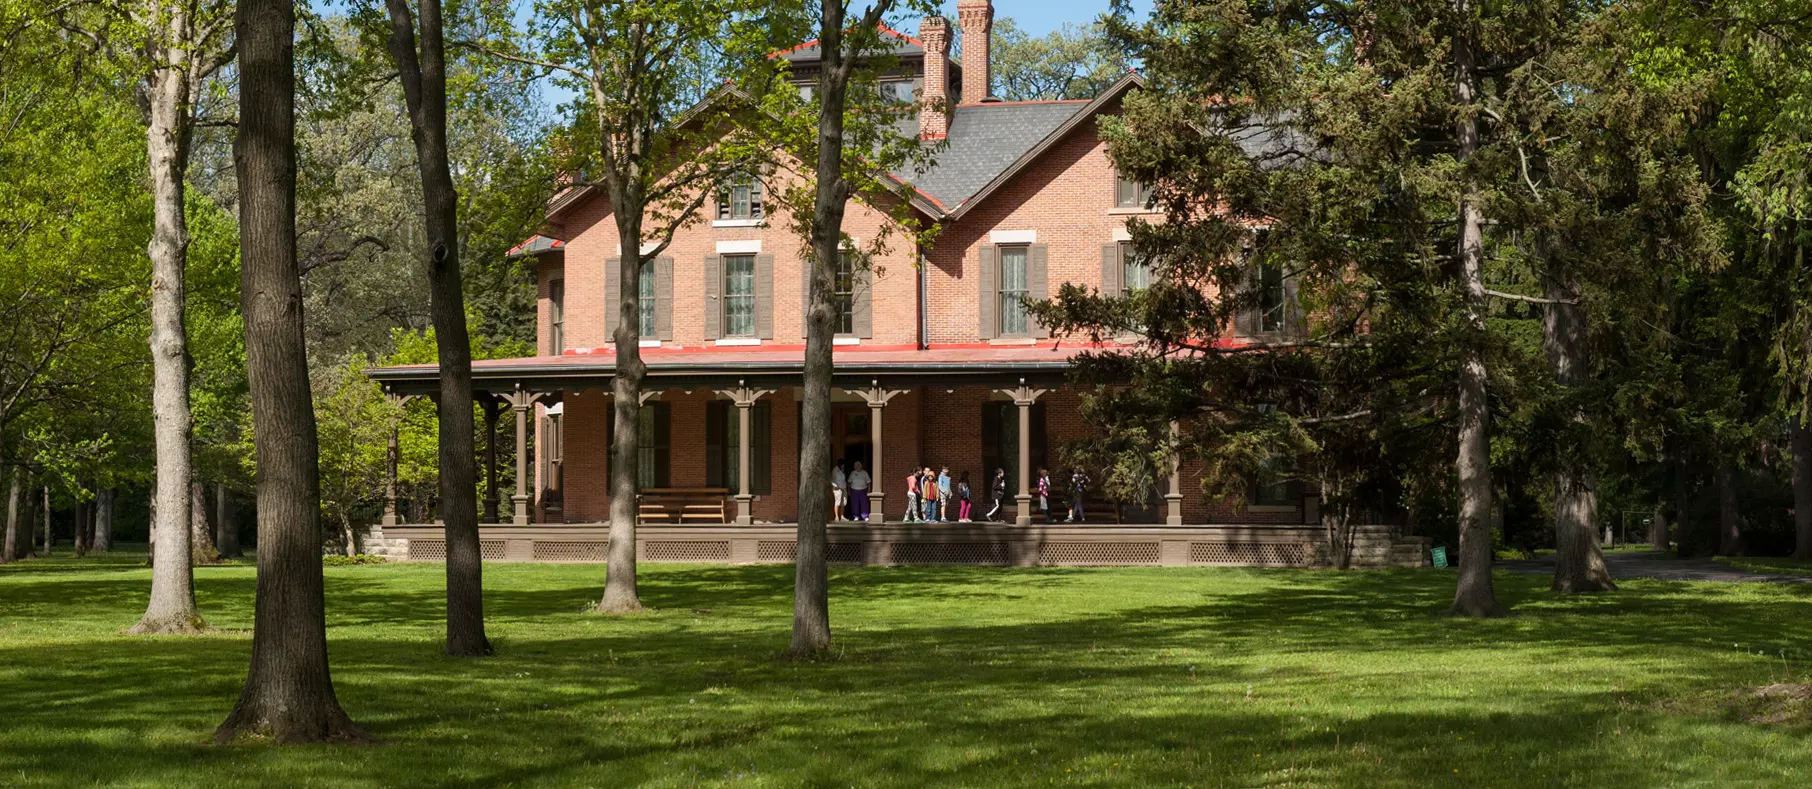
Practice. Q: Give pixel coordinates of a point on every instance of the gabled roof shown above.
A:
(984, 140)
(535, 245)
(903, 46)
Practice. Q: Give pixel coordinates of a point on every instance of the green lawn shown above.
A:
(1772, 565)
(944, 677)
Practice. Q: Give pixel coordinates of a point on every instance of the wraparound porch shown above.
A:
(893, 544)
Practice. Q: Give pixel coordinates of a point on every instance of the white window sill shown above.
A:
(731, 341)
(739, 222)
(846, 340)
(649, 343)
(1013, 341)
(1129, 210)
(1272, 508)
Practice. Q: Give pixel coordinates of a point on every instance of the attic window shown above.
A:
(741, 199)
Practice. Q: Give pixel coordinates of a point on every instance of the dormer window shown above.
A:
(741, 199)
(1130, 194)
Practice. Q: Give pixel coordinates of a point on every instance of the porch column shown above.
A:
(1173, 498)
(1024, 396)
(492, 410)
(391, 457)
(744, 398)
(520, 402)
(877, 398)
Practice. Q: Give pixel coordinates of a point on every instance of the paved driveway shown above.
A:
(1665, 567)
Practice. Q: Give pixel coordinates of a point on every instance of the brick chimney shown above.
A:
(934, 117)
(977, 19)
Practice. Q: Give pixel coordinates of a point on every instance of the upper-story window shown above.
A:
(1130, 194)
(898, 91)
(1270, 296)
(1135, 271)
(808, 92)
(739, 296)
(645, 300)
(741, 199)
(844, 293)
(1013, 291)
(556, 317)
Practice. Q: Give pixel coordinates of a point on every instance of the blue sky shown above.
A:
(1042, 16)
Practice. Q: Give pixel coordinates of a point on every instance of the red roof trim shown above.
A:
(1015, 103)
(516, 250)
(814, 42)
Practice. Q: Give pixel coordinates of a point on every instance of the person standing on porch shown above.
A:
(928, 494)
(858, 493)
(1043, 487)
(943, 494)
(839, 483)
(999, 489)
(912, 497)
(1078, 491)
(962, 498)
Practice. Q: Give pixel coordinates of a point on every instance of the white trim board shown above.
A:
(739, 247)
(1013, 237)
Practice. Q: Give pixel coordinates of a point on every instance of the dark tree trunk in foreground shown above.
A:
(201, 533)
(288, 694)
(1579, 564)
(424, 81)
(1730, 521)
(1473, 596)
(1802, 489)
(620, 595)
(225, 523)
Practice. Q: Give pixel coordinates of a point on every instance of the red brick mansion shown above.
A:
(937, 362)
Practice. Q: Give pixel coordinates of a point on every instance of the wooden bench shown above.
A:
(683, 505)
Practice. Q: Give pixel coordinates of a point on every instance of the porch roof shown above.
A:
(767, 364)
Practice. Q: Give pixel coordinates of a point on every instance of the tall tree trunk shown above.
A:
(620, 595)
(1579, 564)
(1730, 521)
(1682, 493)
(349, 538)
(288, 694)
(1802, 489)
(224, 521)
(424, 81)
(81, 527)
(169, 92)
(9, 548)
(201, 533)
(1336, 521)
(1657, 526)
(1473, 596)
(103, 520)
(49, 535)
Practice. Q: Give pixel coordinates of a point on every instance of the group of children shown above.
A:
(932, 495)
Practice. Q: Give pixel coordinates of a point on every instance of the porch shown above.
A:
(892, 544)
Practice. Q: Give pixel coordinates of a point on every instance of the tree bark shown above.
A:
(9, 548)
(1579, 564)
(170, 96)
(103, 520)
(201, 533)
(81, 527)
(424, 81)
(1336, 521)
(288, 694)
(1801, 440)
(620, 594)
(49, 535)
(1657, 526)
(1730, 522)
(1682, 501)
(1473, 596)
(225, 523)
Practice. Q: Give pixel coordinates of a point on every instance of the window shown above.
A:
(1131, 194)
(1276, 486)
(645, 300)
(652, 451)
(808, 92)
(723, 431)
(1013, 291)
(1270, 296)
(739, 296)
(844, 293)
(1135, 272)
(740, 200)
(556, 317)
(898, 91)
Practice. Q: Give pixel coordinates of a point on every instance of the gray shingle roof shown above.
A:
(984, 140)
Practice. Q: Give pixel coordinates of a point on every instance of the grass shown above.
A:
(1769, 565)
(943, 677)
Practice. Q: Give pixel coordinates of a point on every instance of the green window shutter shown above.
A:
(1112, 271)
(764, 296)
(714, 303)
(862, 303)
(988, 283)
(663, 299)
(613, 284)
(1036, 285)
